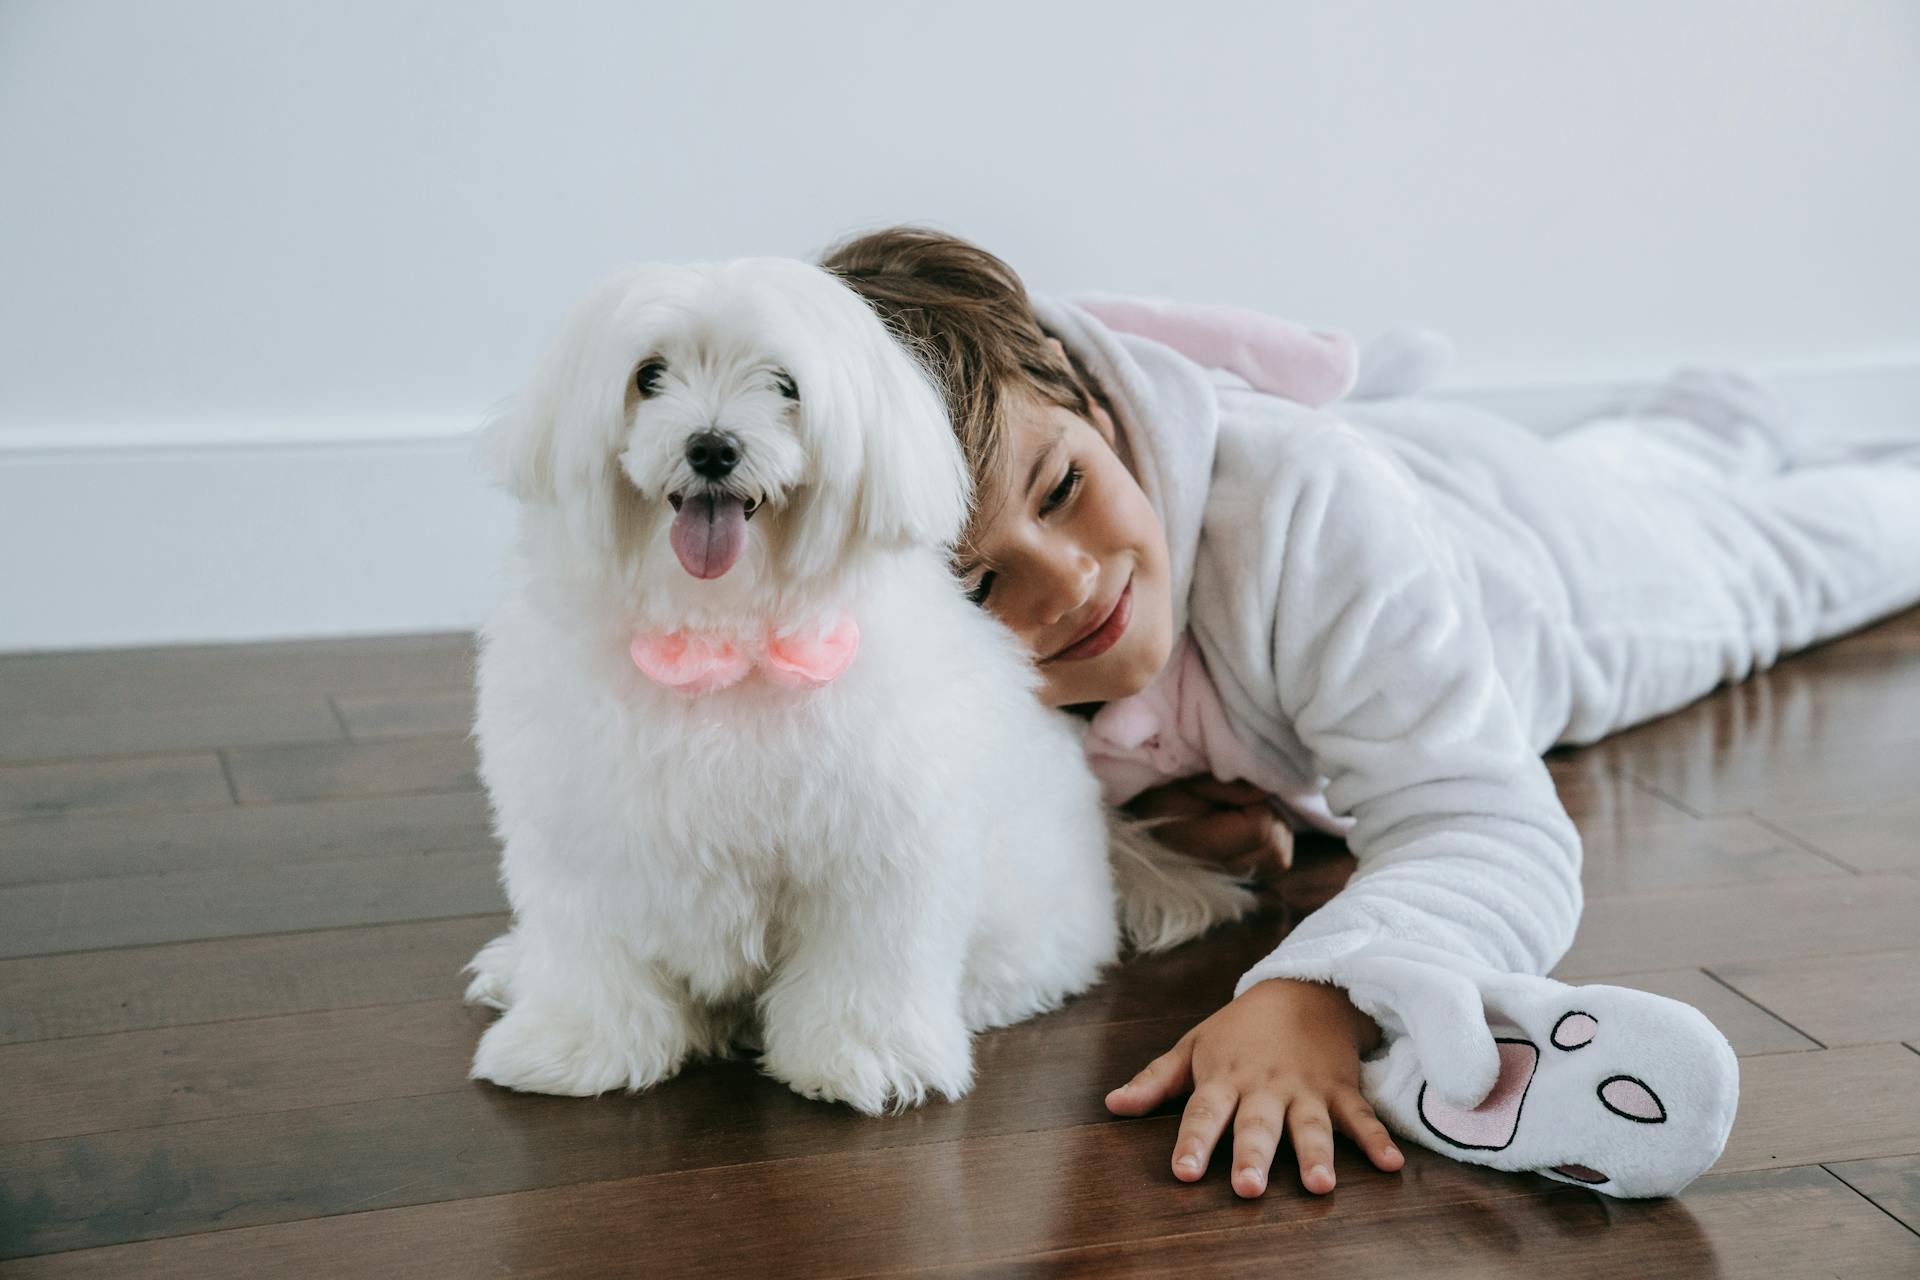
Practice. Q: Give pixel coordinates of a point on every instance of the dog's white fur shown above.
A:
(860, 874)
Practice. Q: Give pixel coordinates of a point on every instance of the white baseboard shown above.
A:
(115, 543)
(143, 536)
(1832, 404)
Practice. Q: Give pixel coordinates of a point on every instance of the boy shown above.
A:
(1374, 623)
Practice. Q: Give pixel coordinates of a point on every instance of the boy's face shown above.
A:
(1079, 548)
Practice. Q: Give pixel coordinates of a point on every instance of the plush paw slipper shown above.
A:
(1621, 1091)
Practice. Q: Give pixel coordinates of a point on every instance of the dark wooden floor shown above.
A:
(236, 885)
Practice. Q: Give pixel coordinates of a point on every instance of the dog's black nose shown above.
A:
(713, 454)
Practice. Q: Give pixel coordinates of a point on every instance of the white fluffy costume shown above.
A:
(1400, 604)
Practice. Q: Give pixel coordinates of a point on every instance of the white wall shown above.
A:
(269, 222)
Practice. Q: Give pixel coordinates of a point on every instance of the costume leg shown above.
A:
(1723, 550)
(1710, 424)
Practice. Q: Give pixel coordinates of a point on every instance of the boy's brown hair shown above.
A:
(966, 314)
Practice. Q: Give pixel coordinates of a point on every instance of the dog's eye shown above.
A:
(647, 380)
(784, 381)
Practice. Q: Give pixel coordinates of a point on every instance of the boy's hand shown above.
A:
(1227, 823)
(1285, 1056)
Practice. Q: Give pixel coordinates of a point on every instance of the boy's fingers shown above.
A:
(1273, 837)
(1205, 1119)
(1312, 1143)
(1358, 1121)
(1281, 841)
(1166, 1075)
(1256, 1135)
(1261, 841)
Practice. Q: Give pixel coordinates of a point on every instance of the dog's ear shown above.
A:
(887, 467)
(914, 486)
(560, 425)
(516, 447)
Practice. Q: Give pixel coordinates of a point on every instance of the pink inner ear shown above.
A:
(1309, 366)
(1573, 1031)
(1632, 1099)
(1491, 1125)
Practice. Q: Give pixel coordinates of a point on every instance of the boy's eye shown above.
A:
(1060, 493)
(1063, 490)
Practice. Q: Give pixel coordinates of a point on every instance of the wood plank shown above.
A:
(84, 915)
(38, 737)
(1859, 773)
(363, 1114)
(1839, 1000)
(1750, 1029)
(477, 1141)
(1708, 928)
(1834, 1104)
(183, 677)
(268, 775)
(1084, 1201)
(1877, 837)
(839, 1211)
(1599, 798)
(1836, 697)
(1898, 634)
(1691, 853)
(100, 1083)
(83, 994)
(1893, 1184)
(93, 993)
(405, 713)
(1824, 730)
(52, 850)
(188, 781)
(94, 1084)
(1639, 842)
(176, 1075)
(1794, 1222)
(179, 1179)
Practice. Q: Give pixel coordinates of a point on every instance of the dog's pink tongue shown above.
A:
(709, 533)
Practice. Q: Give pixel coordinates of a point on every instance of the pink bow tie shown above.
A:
(696, 662)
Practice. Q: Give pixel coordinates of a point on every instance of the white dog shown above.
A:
(753, 756)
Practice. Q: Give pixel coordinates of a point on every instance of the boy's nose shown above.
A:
(1069, 594)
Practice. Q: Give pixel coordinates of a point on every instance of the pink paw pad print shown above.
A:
(1492, 1125)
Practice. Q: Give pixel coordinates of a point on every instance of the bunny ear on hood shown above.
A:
(1307, 366)
(1439, 1008)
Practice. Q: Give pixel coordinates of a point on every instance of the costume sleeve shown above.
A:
(1346, 589)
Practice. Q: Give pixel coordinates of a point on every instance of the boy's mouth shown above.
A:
(1105, 635)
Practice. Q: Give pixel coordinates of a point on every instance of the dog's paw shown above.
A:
(559, 1050)
(492, 969)
(893, 1074)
